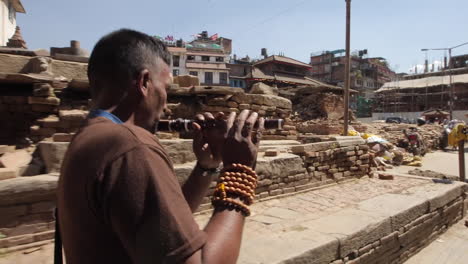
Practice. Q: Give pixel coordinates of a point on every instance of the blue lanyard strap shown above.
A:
(102, 113)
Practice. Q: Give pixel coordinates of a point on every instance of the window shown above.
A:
(219, 59)
(11, 12)
(205, 58)
(223, 77)
(235, 83)
(190, 57)
(208, 77)
(175, 72)
(193, 73)
(176, 61)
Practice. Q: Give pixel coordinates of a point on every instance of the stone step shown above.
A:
(7, 173)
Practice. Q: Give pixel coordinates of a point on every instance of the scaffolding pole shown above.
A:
(347, 67)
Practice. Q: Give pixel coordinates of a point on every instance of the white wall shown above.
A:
(201, 75)
(183, 57)
(7, 28)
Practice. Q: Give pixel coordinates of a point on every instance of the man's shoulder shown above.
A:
(111, 137)
(119, 132)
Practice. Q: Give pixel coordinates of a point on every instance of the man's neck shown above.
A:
(123, 114)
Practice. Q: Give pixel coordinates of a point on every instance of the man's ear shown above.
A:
(142, 82)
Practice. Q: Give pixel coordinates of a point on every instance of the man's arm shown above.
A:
(196, 186)
(224, 236)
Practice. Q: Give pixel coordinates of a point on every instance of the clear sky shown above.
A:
(393, 29)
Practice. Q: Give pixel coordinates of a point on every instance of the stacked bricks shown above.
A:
(60, 127)
(35, 112)
(264, 105)
(327, 160)
(15, 115)
(26, 104)
(288, 132)
(282, 174)
(186, 103)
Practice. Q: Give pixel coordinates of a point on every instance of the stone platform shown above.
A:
(359, 221)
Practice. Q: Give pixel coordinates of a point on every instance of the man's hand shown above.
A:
(241, 143)
(208, 141)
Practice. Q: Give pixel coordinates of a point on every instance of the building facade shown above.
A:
(8, 10)
(238, 71)
(205, 57)
(178, 60)
(367, 74)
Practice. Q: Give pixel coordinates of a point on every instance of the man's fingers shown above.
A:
(230, 120)
(208, 116)
(240, 121)
(249, 124)
(219, 116)
(200, 117)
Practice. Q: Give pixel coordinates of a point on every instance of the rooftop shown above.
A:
(283, 60)
(18, 6)
(424, 82)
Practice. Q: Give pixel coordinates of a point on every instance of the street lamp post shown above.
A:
(450, 75)
(347, 67)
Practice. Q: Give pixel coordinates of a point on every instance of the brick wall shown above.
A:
(400, 245)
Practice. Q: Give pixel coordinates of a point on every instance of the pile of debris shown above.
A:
(393, 133)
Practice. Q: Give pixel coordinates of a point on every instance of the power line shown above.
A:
(254, 26)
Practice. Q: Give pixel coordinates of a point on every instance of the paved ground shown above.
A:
(439, 161)
(287, 213)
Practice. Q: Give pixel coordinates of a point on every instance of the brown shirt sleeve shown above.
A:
(146, 209)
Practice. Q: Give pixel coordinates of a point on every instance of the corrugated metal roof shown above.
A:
(424, 82)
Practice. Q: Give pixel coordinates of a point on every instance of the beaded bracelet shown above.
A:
(239, 181)
(244, 196)
(239, 167)
(231, 204)
(236, 181)
(243, 186)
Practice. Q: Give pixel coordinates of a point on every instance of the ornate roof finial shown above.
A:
(17, 40)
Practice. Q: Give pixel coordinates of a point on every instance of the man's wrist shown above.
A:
(207, 171)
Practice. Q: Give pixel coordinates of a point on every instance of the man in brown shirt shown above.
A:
(118, 198)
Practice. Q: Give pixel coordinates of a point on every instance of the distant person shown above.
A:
(119, 200)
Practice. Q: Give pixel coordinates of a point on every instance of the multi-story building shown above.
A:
(205, 57)
(367, 74)
(238, 71)
(178, 60)
(8, 10)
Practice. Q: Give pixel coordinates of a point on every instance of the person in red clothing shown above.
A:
(119, 200)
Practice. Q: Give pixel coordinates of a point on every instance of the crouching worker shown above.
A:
(119, 200)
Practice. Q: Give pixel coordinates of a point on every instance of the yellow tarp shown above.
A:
(457, 135)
